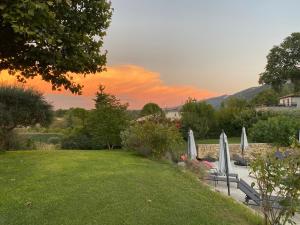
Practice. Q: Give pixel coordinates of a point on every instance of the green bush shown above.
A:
(152, 139)
(279, 130)
(54, 140)
(18, 141)
(77, 140)
(21, 107)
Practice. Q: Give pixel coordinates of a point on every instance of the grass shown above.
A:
(109, 188)
(231, 140)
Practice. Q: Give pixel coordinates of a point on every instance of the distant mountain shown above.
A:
(246, 94)
(216, 102)
(250, 93)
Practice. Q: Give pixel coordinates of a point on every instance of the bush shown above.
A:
(196, 167)
(152, 139)
(77, 140)
(279, 130)
(54, 140)
(21, 107)
(16, 141)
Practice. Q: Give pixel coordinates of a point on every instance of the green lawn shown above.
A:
(106, 188)
(231, 140)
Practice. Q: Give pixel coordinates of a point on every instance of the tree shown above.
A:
(104, 99)
(21, 108)
(278, 181)
(108, 120)
(267, 97)
(199, 116)
(283, 64)
(151, 109)
(76, 117)
(234, 114)
(52, 38)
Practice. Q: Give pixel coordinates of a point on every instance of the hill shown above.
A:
(216, 102)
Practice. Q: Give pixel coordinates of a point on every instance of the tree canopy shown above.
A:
(52, 38)
(106, 122)
(199, 116)
(21, 107)
(150, 109)
(234, 114)
(268, 97)
(283, 64)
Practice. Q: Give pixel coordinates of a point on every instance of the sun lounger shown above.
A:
(239, 161)
(254, 196)
(216, 177)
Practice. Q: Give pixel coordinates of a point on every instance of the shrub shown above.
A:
(278, 130)
(152, 139)
(279, 176)
(196, 167)
(77, 140)
(54, 140)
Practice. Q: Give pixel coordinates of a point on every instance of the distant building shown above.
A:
(173, 115)
(292, 100)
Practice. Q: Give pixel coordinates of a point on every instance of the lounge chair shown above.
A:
(254, 196)
(239, 161)
(216, 177)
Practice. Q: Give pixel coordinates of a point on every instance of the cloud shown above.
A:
(130, 83)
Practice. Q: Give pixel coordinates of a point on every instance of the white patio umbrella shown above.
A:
(244, 141)
(224, 156)
(192, 151)
(224, 165)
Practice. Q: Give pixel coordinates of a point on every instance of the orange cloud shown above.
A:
(130, 83)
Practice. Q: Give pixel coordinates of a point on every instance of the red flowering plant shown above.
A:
(196, 167)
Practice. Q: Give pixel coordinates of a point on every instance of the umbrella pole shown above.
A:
(189, 147)
(226, 164)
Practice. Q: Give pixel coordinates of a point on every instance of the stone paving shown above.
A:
(237, 194)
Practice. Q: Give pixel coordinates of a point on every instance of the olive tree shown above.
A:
(21, 107)
(278, 180)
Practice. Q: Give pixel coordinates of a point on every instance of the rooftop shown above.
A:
(291, 95)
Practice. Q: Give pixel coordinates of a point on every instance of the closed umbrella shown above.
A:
(192, 151)
(224, 165)
(244, 141)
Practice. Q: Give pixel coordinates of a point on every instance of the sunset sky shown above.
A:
(165, 51)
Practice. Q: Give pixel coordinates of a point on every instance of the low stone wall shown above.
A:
(212, 150)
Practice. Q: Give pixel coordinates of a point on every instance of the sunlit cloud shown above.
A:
(130, 83)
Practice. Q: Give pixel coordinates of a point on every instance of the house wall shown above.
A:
(289, 101)
(296, 100)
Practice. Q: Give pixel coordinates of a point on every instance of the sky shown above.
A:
(165, 51)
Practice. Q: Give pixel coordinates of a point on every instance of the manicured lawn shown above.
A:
(231, 140)
(106, 188)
